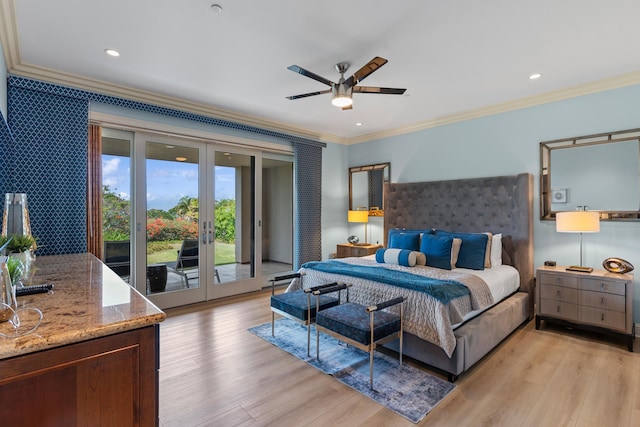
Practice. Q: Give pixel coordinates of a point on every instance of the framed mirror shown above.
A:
(600, 172)
(365, 187)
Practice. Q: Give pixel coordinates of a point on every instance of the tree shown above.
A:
(225, 222)
(186, 208)
(115, 215)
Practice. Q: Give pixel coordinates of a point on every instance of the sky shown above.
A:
(167, 181)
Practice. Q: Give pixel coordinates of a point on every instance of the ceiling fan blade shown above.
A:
(304, 95)
(309, 74)
(381, 90)
(363, 72)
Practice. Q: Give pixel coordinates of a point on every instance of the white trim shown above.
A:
(637, 326)
(131, 124)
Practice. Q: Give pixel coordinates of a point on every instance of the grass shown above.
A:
(225, 253)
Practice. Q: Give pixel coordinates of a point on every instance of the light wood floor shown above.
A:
(215, 373)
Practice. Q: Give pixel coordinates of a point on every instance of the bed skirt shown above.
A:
(474, 339)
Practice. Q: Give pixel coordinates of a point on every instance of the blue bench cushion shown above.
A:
(295, 303)
(353, 321)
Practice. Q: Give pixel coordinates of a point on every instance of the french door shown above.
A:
(204, 217)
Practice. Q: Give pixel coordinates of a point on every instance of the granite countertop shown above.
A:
(88, 301)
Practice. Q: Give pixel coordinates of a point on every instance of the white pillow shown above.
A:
(496, 249)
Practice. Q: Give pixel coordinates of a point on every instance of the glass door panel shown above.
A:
(277, 215)
(172, 252)
(234, 212)
(116, 201)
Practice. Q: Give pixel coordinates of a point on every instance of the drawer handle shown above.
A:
(602, 301)
(602, 286)
(558, 309)
(558, 292)
(603, 317)
(559, 280)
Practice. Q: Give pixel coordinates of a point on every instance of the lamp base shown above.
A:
(580, 269)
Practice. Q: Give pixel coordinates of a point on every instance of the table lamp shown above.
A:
(359, 216)
(579, 221)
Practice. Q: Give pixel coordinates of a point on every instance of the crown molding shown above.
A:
(616, 82)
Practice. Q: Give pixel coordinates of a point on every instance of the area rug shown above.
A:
(407, 391)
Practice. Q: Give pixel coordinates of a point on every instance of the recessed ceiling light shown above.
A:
(358, 124)
(216, 8)
(181, 159)
(112, 52)
(535, 76)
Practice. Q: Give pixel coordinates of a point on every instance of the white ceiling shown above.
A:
(457, 58)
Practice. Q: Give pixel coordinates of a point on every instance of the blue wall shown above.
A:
(508, 143)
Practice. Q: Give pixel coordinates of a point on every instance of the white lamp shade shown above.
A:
(358, 216)
(578, 222)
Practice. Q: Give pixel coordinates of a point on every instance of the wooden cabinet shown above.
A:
(599, 300)
(109, 381)
(345, 250)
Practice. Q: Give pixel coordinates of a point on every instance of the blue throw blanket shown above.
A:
(442, 290)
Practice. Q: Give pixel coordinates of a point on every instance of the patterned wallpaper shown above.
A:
(49, 125)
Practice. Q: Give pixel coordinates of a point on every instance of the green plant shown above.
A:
(21, 243)
(16, 269)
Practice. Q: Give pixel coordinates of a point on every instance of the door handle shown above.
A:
(204, 232)
(210, 233)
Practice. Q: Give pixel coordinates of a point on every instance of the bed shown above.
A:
(467, 327)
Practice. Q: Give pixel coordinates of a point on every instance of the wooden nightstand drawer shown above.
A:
(602, 301)
(559, 293)
(603, 318)
(558, 280)
(563, 310)
(601, 285)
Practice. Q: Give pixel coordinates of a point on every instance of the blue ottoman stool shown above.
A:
(360, 326)
(297, 305)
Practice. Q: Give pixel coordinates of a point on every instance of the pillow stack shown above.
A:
(443, 249)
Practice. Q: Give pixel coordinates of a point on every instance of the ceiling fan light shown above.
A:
(342, 101)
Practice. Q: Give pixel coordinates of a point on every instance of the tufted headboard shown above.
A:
(501, 204)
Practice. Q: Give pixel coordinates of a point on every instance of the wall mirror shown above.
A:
(365, 187)
(601, 172)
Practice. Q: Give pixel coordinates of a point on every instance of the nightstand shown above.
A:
(345, 250)
(600, 301)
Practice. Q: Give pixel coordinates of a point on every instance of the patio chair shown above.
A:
(187, 261)
(117, 256)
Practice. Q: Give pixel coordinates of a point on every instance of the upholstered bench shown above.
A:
(363, 327)
(297, 305)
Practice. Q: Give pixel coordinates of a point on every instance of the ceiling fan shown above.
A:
(342, 91)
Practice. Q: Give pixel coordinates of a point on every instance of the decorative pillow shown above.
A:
(405, 240)
(473, 250)
(421, 259)
(396, 256)
(496, 250)
(455, 251)
(437, 250)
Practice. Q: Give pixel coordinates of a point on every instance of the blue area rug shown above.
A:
(407, 391)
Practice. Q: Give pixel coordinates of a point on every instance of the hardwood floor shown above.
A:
(215, 373)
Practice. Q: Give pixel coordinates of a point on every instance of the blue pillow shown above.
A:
(472, 251)
(396, 256)
(438, 250)
(409, 241)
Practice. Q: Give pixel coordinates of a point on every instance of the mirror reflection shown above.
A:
(365, 187)
(601, 172)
